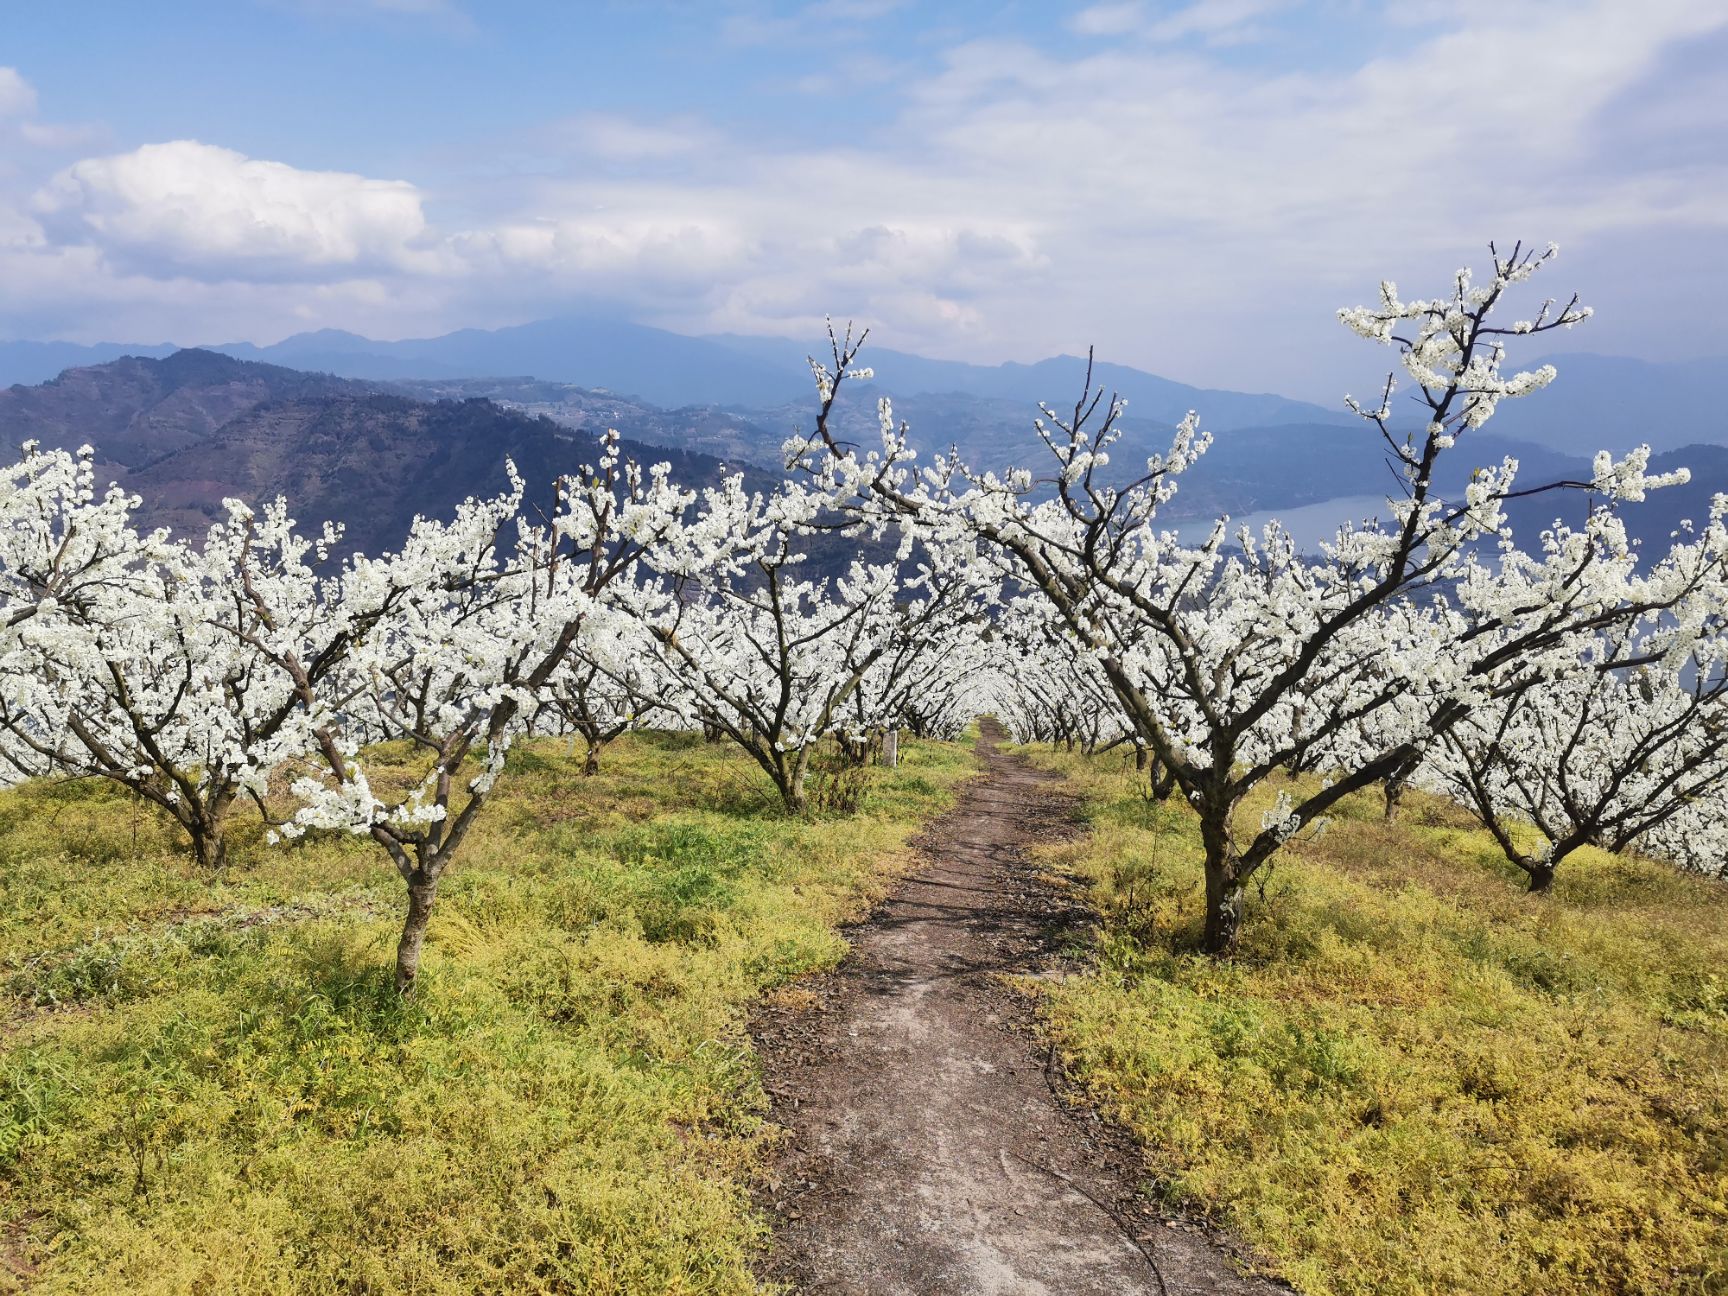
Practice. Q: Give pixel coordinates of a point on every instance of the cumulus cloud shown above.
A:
(193, 209)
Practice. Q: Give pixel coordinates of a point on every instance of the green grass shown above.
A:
(1415, 1078)
(208, 1086)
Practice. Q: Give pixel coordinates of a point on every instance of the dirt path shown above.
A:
(928, 1152)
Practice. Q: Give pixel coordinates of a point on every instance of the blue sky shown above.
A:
(1193, 186)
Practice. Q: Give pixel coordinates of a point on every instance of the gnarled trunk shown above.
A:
(1541, 878)
(1224, 890)
(1224, 903)
(209, 846)
(1162, 780)
(421, 895)
(206, 825)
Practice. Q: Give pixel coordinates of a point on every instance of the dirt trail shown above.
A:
(928, 1152)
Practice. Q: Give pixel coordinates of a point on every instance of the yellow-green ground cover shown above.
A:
(207, 1085)
(1414, 1078)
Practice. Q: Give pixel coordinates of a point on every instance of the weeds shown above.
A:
(210, 1086)
(1415, 1078)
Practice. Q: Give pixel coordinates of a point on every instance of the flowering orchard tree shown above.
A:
(1230, 663)
(461, 664)
(1605, 755)
(1057, 693)
(185, 674)
(768, 659)
(921, 679)
(608, 684)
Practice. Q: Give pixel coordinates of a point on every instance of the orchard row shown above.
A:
(1569, 695)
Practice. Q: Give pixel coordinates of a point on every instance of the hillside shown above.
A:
(1415, 1078)
(738, 436)
(1650, 521)
(202, 1089)
(374, 462)
(672, 370)
(1616, 402)
(136, 409)
(191, 429)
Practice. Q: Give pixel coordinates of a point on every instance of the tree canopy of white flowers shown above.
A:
(1231, 662)
(1576, 694)
(187, 674)
(776, 662)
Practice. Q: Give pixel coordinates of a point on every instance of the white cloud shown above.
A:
(1216, 21)
(823, 20)
(1108, 19)
(194, 209)
(18, 119)
(1184, 211)
(615, 137)
(17, 96)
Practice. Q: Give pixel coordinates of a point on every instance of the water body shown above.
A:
(1308, 524)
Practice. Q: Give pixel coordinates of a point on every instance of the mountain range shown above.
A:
(186, 431)
(371, 447)
(1597, 402)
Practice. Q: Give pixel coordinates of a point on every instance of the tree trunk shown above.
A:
(206, 824)
(1224, 901)
(209, 846)
(1541, 878)
(792, 789)
(1141, 757)
(1224, 893)
(891, 748)
(1162, 781)
(591, 761)
(421, 894)
(1393, 790)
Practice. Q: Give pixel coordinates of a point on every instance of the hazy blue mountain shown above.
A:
(188, 430)
(1598, 401)
(666, 369)
(1057, 381)
(36, 362)
(1652, 520)
(1611, 402)
(1254, 470)
(735, 435)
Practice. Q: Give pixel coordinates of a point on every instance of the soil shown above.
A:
(932, 1146)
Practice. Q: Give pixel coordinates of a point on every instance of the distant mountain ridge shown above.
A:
(190, 429)
(1598, 401)
(672, 370)
(136, 409)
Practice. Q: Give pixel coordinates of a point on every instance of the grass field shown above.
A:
(207, 1085)
(1415, 1078)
